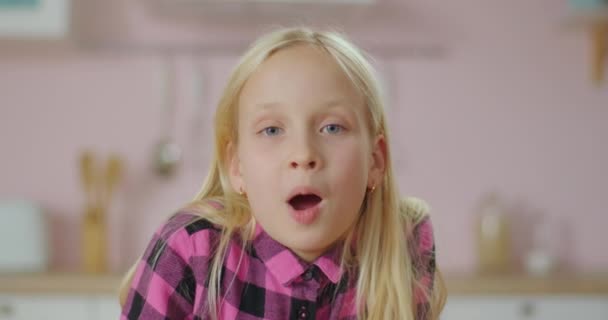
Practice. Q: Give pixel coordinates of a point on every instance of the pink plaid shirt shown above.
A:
(272, 283)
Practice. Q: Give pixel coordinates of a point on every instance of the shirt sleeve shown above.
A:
(423, 257)
(163, 286)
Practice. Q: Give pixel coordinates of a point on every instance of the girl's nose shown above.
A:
(305, 157)
(304, 164)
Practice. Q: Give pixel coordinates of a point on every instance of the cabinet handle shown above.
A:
(6, 310)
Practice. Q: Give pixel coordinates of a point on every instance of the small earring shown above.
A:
(373, 188)
(241, 192)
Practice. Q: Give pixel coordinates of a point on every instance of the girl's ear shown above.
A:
(234, 168)
(378, 163)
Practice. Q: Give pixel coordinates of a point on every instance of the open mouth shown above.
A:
(304, 201)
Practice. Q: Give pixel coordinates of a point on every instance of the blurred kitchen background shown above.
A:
(498, 116)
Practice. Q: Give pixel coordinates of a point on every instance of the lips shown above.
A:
(304, 201)
(304, 198)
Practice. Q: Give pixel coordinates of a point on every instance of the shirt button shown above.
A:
(308, 275)
(303, 313)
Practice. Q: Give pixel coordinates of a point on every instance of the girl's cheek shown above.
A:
(267, 146)
(263, 149)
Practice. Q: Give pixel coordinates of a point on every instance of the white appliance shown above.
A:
(23, 237)
(41, 19)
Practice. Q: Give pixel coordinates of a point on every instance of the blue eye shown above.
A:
(333, 128)
(271, 131)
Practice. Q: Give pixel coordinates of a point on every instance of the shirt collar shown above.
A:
(286, 266)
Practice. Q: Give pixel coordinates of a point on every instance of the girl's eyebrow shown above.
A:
(266, 106)
(331, 104)
(263, 111)
(259, 111)
(340, 105)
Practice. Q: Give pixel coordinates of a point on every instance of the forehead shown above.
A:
(301, 75)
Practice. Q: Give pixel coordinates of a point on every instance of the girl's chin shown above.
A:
(308, 254)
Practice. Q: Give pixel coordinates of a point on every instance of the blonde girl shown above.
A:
(299, 217)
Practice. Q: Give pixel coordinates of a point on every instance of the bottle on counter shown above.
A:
(493, 236)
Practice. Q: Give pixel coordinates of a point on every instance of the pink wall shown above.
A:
(507, 106)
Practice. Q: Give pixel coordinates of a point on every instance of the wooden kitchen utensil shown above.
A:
(99, 186)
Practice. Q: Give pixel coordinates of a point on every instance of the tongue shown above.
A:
(304, 202)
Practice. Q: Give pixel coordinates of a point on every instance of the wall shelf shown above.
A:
(262, 10)
(457, 284)
(59, 283)
(515, 284)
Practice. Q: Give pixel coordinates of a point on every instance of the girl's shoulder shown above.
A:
(421, 245)
(187, 224)
(163, 283)
(421, 237)
(414, 209)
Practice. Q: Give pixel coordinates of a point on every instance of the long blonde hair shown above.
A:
(385, 277)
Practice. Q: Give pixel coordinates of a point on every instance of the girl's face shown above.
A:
(304, 157)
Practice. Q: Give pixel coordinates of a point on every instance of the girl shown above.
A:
(299, 217)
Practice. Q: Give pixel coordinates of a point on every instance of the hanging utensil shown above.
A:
(167, 153)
